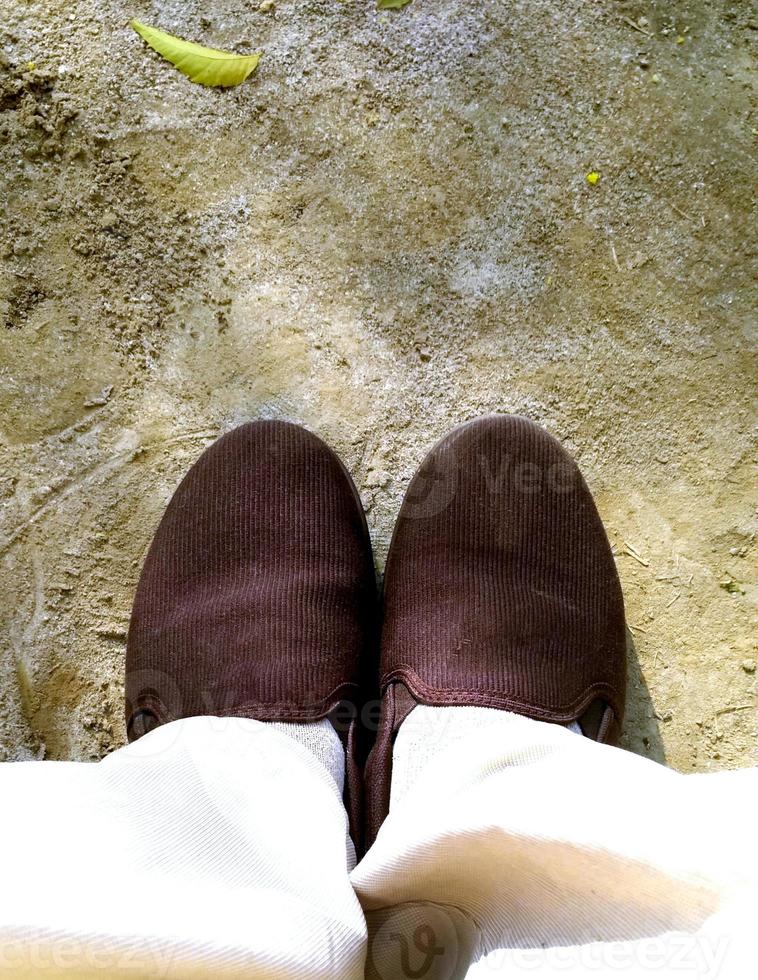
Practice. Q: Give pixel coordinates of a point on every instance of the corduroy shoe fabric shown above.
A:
(258, 597)
(500, 591)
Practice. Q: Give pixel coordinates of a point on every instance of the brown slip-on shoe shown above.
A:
(258, 596)
(500, 590)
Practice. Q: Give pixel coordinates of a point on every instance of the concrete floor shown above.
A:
(387, 230)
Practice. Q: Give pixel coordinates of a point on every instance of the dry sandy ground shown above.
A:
(387, 230)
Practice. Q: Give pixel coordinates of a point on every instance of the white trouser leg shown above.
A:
(209, 848)
(516, 848)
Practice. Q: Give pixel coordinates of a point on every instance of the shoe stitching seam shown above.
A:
(421, 689)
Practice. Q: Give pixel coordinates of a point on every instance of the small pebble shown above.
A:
(749, 666)
(99, 399)
(108, 220)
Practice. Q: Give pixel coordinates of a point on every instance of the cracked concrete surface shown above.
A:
(386, 231)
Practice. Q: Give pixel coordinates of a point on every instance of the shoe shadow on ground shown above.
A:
(641, 733)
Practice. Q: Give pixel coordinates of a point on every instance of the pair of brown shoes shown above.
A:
(258, 596)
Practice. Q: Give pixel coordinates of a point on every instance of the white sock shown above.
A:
(320, 738)
(427, 731)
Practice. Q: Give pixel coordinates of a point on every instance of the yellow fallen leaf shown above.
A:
(593, 177)
(207, 66)
(391, 4)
